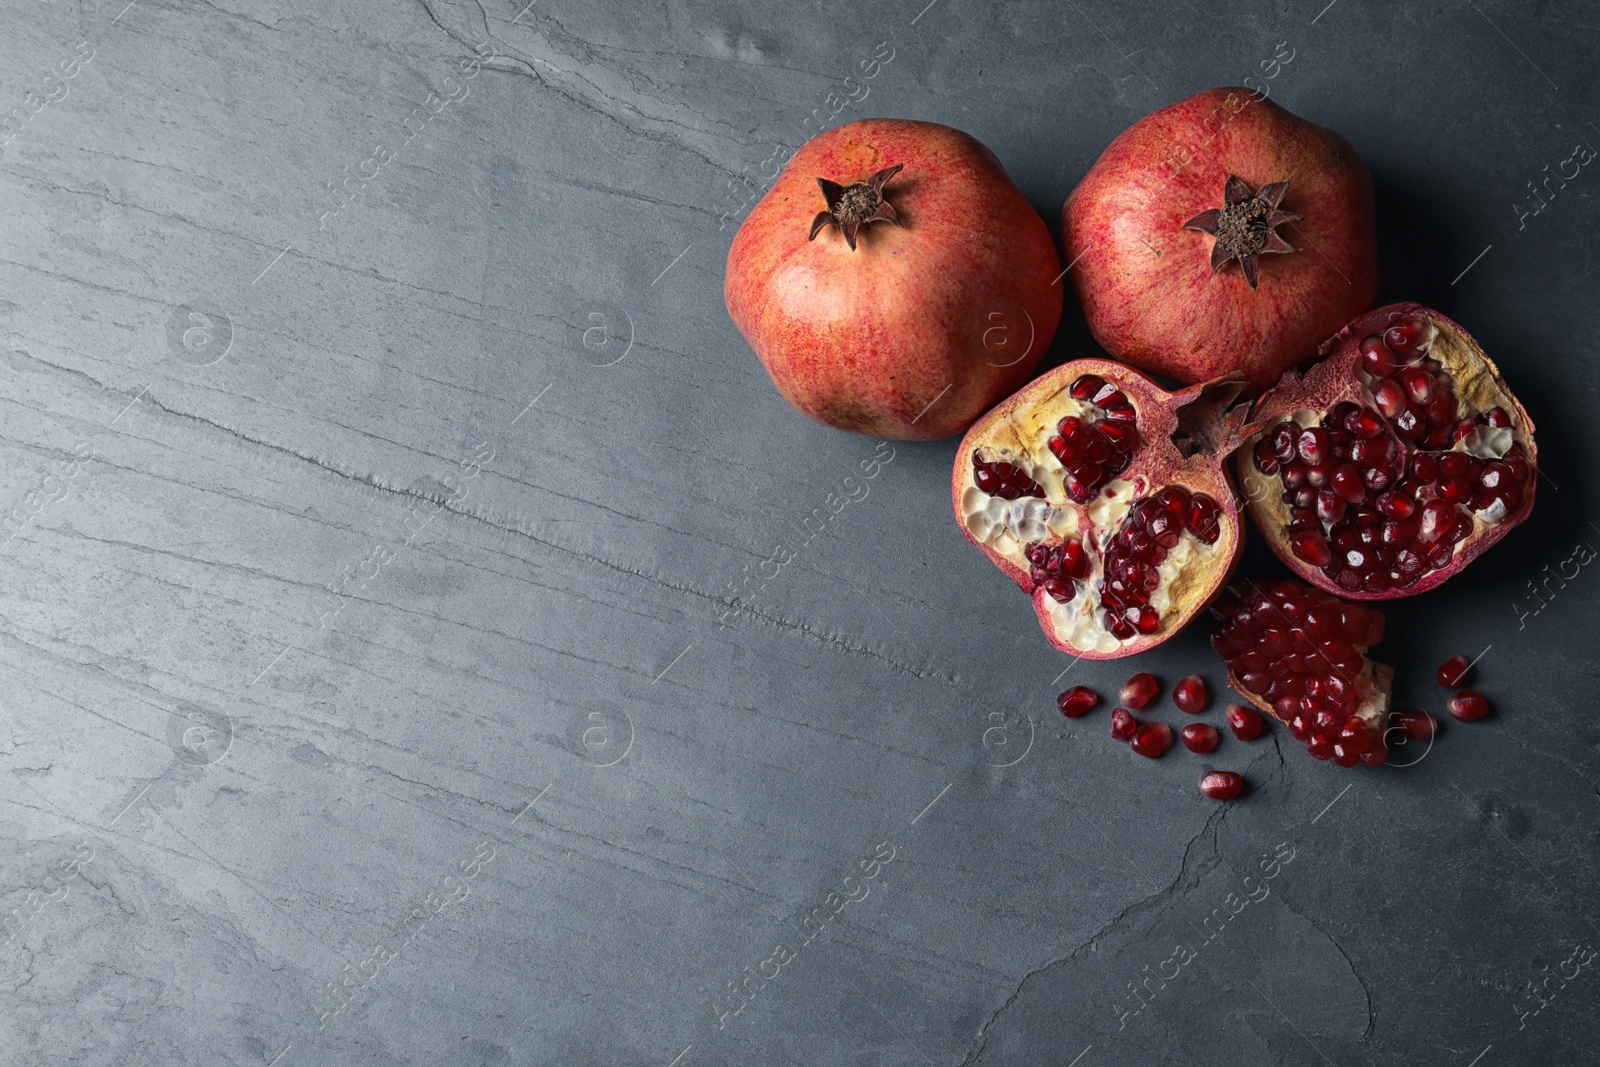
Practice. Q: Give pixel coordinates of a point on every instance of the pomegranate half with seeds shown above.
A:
(1298, 654)
(1107, 500)
(1221, 234)
(894, 281)
(1392, 463)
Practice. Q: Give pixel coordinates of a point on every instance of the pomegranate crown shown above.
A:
(851, 207)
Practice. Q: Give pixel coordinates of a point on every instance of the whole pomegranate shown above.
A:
(1243, 257)
(1106, 499)
(1392, 463)
(1298, 654)
(894, 281)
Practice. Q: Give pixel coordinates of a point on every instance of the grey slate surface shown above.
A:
(383, 605)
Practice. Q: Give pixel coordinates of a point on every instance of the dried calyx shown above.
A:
(852, 206)
(1105, 498)
(1246, 225)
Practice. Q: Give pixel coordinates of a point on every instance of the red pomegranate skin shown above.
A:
(925, 325)
(1146, 284)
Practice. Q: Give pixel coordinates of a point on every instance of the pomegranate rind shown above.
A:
(1016, 431)
(1478, 387)
(921, 328)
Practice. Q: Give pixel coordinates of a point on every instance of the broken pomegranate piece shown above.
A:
(1394, 462)
(1298, 654)
(1106, 498)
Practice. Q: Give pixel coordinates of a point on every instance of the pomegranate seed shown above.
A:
(1467, 706)
(1376, 359)
(1498, 417)
(1221, 785)
(1390, 398)
(1452, 673)
(1086, 386)
(1198, 737)
(1245, 722)
(1153, 739)
(1123, 724)
(1004, 480)
(1140, 690)
(1376, 755)
(1312, 547)
(1190, 694)
(1416, 724)
(1404, 338)
(1078, 701)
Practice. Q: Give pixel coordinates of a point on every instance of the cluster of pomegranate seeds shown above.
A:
(1467, 706)
(1300, 649)
(1095, 452)
(1190, 694)
(1005, 480)
(1452, 672)
(1199, 737)
(1152, 739)
(1057, 568)
(1221, 785)
(1415, 724)
(1123, 724)
(1245, 722)
(1139, 690)
(1134, 556)
(1078, 701)
(1378, 496)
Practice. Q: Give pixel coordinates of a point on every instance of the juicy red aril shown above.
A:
(1123, 724)
(1299, 649)
(1057, 569)
(1140, 690)
(1133, 557)
(1245, 722)
(1152, 739)
(1198, 737)
(1095, 451)
(1416, 724)
(1467, 705)
(1078, 701)
(1402, 459)
(1221, 785)
(1190, 694)
(1452, 672)
(1005, 480)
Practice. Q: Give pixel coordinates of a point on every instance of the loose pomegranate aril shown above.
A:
(1296, 652)
(1152, 739)
(1245, 722)
(1190, 694)
(1467, 706)
(1422, 431)
(1140, 690)
(1452, 673)
(1416, 724)
(1078, 701)
(1198, 737)
(1123, 724)
(1221, 785)
(1001, 479)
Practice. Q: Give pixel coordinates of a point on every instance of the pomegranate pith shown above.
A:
(1452, 673)
(1190, 694)
(1198, 737)
(1245, 722)
(1106, 499)
(1123, 724)
(1297, 654)
(1078, 701)
(1394, 462)
(1152, 739)
(1221, 785)
(1467, 706)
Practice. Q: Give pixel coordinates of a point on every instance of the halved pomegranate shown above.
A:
(1297, 654)
(1394, 462)
(1106, 499)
